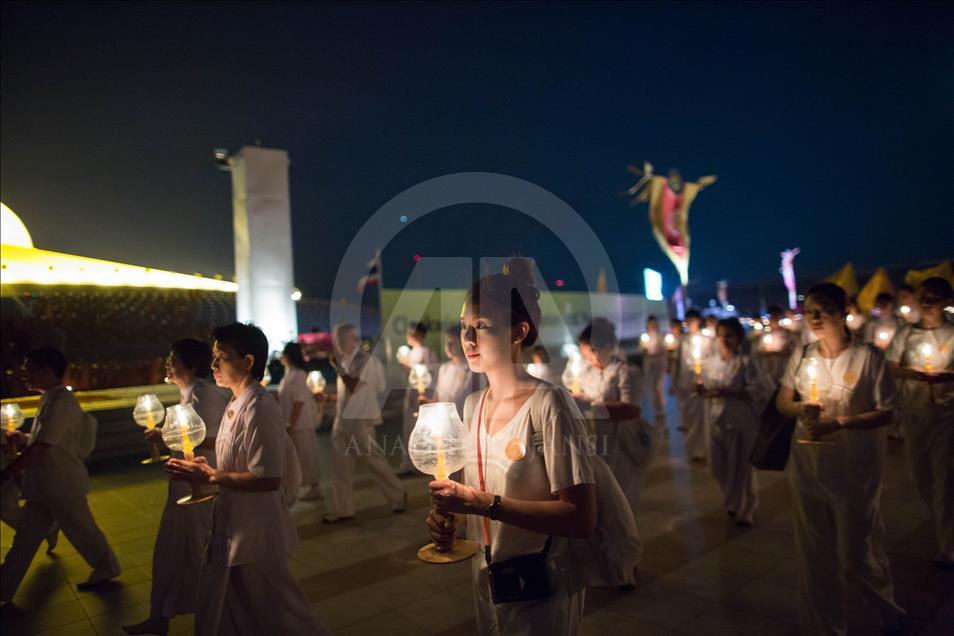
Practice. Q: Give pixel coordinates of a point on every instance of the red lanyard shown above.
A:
(480, 465)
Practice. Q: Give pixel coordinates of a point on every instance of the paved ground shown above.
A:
(699, 575)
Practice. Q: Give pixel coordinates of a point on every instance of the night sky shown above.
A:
(828, 125)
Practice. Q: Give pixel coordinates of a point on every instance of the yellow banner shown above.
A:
(878, 283)
(915, 277)
(845, 278)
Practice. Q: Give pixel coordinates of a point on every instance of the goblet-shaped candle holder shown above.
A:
(183, 432)
(11, 416)
(813, 382)
(148, 413)
(316, 382)
(438, 446)
(403, 353)
(573, 374)
(419, 378)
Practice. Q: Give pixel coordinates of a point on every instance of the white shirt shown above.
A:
(905, 350)
(251, 526)
(422, 354)
(738, 373)
(518, 464)
(60, 472)
(618, 381)
(365, 403)
(294, 388)
(209, 402)
(857, 381)
(454, 383)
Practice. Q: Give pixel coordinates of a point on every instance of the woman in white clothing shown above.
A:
(655, 360)
(529, 484)
(926, 398)
(455, 380)
(836, 467)
(245, 585)
(183, 530)
(732, 391)
(684, 384)
(301, 416)
(612, 391)
(420, 354)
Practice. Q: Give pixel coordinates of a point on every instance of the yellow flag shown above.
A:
(879, 282)
(915, 277)
(601, 282)
(845, 278)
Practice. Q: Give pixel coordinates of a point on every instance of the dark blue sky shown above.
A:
(829, 126)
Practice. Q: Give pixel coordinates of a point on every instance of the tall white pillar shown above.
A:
(263, 246)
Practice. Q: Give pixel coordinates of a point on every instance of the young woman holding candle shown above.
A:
(245, 585)
(921, 356)
(301, 416)
(612, 391)
(655, 356)
(836, 467)
(529, 484)
(183, 530)
(420, 354)
(693, 348)
(733, 392)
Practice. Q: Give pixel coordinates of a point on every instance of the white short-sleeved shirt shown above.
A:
(454, 383)
(365, 402)
(294, 388)
(60, 472)
(251, 526)
(518, 465)
(422, 354)
(618, 381)
(738, 373)
(905, 351)
(857, 381)
(209, 402)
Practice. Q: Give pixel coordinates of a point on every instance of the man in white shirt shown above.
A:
(361, 385)
(55, 481)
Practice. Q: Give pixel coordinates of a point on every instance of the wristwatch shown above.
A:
(493, 510)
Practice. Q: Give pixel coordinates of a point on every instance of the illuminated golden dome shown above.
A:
(12, 229)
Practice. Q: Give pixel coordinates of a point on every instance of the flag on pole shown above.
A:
(669, 199)
(373, 277)
(878, 283)
(915, 277)
(845, 278)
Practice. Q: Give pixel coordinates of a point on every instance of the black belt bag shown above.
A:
(519, 579)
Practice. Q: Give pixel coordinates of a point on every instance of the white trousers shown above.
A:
(306, 447)
(177, 555)
(729, 451)
(558, 615)
(693, 420)
(253, 599)
(834, 545)
(75, 520)
(353, 442)
(655, 371)
(929, 443)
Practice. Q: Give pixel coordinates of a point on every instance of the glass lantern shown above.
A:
(813, 384)
(11, 416)
(149, 413)
(438, 446)
(183, 432)
(419, 378)
(316, 382)
(573, 374)
(403, 353)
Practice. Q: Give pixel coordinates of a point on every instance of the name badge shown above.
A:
(516, 449)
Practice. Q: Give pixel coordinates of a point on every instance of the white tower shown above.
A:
(263, 248)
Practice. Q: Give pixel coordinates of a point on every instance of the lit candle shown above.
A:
(927, 350)
(644, 340)
(315, 381)
(707, 332)
(420, 378)
(905, 310)
(402, 353)
(697, 357)
(670, 341)
(812, 371)
(883, 338)
(12, 416)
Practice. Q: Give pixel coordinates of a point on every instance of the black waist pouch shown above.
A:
(520, 578)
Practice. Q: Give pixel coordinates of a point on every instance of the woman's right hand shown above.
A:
(443, 529)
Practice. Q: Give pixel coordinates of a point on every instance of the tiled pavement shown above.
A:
(699, 574)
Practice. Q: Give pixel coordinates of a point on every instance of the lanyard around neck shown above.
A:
(480, 468)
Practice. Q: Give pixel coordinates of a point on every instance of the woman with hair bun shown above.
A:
(612, 388)
(836, 467)
(529, 483)
(922, 356)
